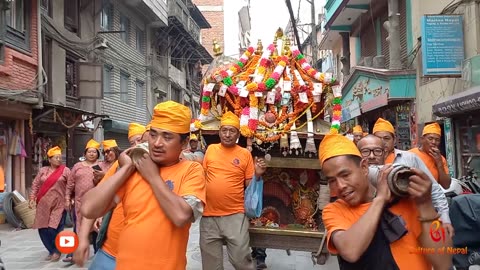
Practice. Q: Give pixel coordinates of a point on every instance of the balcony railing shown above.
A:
(179, 10)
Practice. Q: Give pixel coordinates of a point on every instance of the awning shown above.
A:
(462, 102)
(116, 126)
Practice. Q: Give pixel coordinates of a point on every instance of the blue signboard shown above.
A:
(442, 44)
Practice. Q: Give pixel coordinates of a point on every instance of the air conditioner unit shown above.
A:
(471, 71)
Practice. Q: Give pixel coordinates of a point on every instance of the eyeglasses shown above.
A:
(376, 152)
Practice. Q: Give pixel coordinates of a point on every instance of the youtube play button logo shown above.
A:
(66, 242)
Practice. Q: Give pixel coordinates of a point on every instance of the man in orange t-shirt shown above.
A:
(360, 223)
(113, 223)
(160, 199)
(429, 153)
(229, 169)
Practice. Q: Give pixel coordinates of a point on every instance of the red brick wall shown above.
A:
(215, 18)
(19, 69)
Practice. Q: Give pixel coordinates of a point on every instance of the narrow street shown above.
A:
(24, 250)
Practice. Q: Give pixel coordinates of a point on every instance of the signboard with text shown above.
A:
(442, 45)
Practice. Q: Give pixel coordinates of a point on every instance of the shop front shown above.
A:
(462, 130)
(67, 127)
(371, 93)
(14, 127)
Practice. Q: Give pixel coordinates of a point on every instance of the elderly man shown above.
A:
(361, 222)
(357, 133)
(429, 153)
(160, 194)
(194, 153)
(229, 168)
(384, 130)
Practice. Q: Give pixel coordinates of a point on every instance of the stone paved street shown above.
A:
(24, 250)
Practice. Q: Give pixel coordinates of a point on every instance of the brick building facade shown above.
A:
(18, 86)
(213, 11)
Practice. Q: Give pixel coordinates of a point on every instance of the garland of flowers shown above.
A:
(313, 73)
(205, 100)
(235, 68)
(337, 110)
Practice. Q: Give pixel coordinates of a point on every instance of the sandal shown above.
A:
(68, 260)
(55, 257)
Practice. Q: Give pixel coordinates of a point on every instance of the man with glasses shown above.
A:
(384, 130)
(429, 153)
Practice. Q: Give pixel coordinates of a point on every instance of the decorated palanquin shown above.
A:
(281, 101)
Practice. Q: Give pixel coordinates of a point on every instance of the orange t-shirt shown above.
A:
(430, 162)
(115, 225)
(149, 239)
(226, 170)
(340, 216)
(390, 158)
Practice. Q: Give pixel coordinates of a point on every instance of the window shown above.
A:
(139, 94)
(45, 7)
(71, 17)
(140, 40)
(176, 94)
(2, 47)
(71, 77)
(124, 86)
(17, 18)
(107, 80)
(106, 16)
(124, 26)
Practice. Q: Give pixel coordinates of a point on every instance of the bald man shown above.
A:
(370, 146)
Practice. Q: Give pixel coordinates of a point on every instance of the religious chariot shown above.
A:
(282, 103)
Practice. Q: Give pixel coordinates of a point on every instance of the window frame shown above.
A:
(71, 59)
(74, 25)
(123, 94)
(15, 38)
(46, 10)
(106, 11)
(139, 98)
(125, 36)
(107, 69)
(140, 47)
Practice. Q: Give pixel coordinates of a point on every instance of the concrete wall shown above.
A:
(430, 90)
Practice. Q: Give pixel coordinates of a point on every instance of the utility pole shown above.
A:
(313, 36)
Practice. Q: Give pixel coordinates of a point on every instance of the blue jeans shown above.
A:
(103, 261)
(48, 235)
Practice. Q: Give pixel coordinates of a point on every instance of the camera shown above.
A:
(397, 180)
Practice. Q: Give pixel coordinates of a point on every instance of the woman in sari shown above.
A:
(48, 191)
(81, 180)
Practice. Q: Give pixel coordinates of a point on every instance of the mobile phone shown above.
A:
(96, 167)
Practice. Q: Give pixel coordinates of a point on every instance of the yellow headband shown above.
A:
(230, 119)
(334, 145)
(357, 129)
(54, 151)
(172, 116)
(92, 144)
(107, 144)
(383, 125)
(135, 129)
(433, 128)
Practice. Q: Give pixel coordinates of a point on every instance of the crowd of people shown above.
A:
(137, 212)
